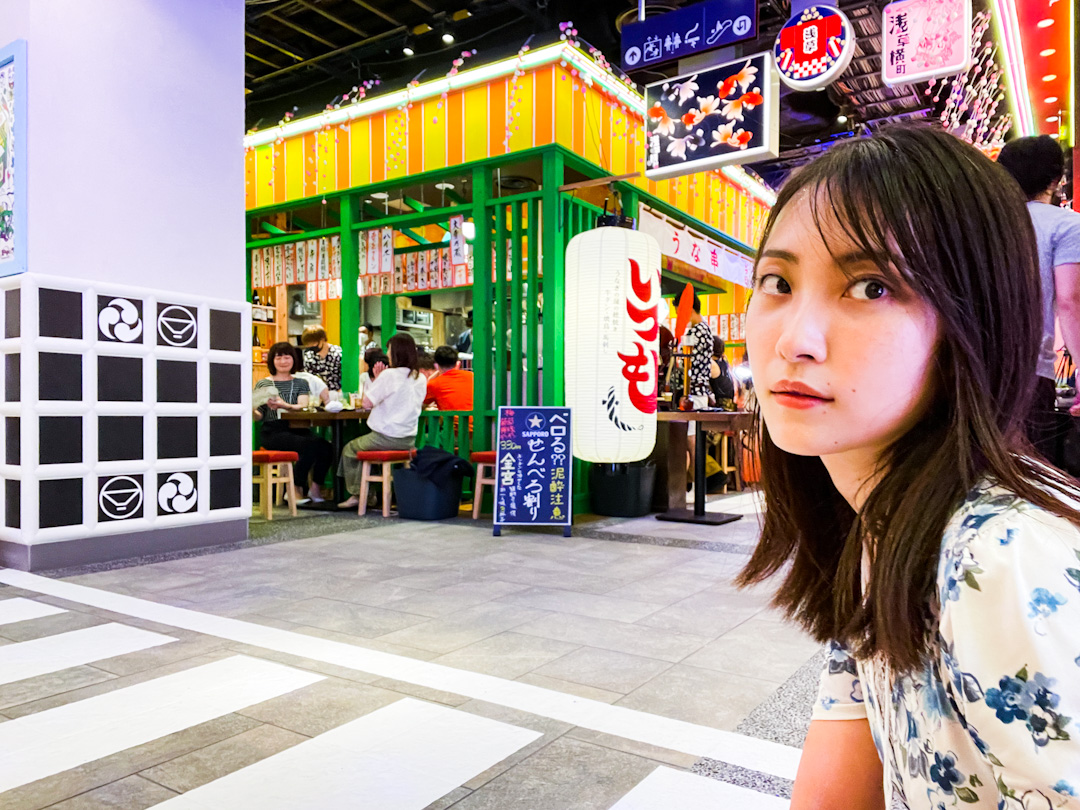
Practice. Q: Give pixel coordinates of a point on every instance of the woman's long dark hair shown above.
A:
(953, 225)
(403, 353)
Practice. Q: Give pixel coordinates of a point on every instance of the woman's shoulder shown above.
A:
(265, 382)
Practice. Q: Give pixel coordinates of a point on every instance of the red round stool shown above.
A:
(275, 467)
(386, 459)
(484, 461)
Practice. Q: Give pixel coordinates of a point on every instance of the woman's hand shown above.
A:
(378, 369)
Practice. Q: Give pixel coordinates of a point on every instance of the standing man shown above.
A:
(367, 338)
(321, 357)
(1038, 164)
(450, 388)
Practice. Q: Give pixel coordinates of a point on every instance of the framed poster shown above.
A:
(724, 115)
(925, 39)
(13, 158)
(534, 468)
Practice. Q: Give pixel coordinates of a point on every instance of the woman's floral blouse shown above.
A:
(993, 719)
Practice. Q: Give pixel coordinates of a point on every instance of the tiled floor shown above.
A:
(595, 662)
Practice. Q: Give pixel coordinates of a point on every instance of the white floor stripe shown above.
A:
(20, 610)
(401, 757)
(665, 788)
(40, 745)
(41, 656)
(675, 735)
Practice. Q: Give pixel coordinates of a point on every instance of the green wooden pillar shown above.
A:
(388, 304)
(350, 301)
(482, 305)
(552, 264)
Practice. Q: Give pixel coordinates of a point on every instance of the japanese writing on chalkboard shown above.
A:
(534, 467)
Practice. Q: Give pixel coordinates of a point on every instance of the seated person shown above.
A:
(450, 388)
(283, 391)
(322, 358)
(318, 388)
(372, 357)
(395, 398)
(427, 364)
(720, 379)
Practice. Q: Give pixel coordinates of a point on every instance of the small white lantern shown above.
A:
(612, 343)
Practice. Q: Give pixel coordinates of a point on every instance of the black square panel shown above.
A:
(120, 379)
(12, 313)
(225, 383)
(120, 438)
(60, 439)
(12, 378)
(225, 435)
(177, 381)
(12, 504)
(12, 440)
(177, 436)
(177, 326)
(224, 489)
(225, 331)
(120, 320)
(120, 497)
(59, 376)
(60, 502)
(60, 314)
(177, 492)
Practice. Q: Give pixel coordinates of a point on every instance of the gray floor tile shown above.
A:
(582, 604)
(207, 764)
(452, 598)
(605, 669)
(345, 617)
(570, 688)
(159, 656)
(49, 626)
(710, 613)
(664, 589)
(775, 650)
(582, 583)
(130, 793)
(321, 706)
(566, 775)
(507, 655)
(635, 639)
(464, 627)
(700, 696)
(449, 799)
(54, 683)
(666, 756)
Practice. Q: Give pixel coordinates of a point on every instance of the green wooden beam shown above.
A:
(350, 301)
(292, 237)
(551, 260)
(375, 212)
(482, 300)
(266, 226)
(415, 205)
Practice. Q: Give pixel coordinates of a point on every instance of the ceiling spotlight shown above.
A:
(444, 186)
(380, 195)
(1045, 23)
(1049, 77)
(1048, 52)
(448, 37)
(407, 48)
(841, 119)
(1051, 99)
(1052, 119)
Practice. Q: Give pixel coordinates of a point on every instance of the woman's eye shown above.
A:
(868, 289)
(774, 285)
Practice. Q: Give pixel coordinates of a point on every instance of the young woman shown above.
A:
(395, 397)
(288, 392)
(893, 335)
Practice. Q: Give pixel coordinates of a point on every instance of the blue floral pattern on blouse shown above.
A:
(992, 720)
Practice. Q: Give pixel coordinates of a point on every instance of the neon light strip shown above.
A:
(1008, 30)
(468, 78)
(1070, 104)
(740, 177)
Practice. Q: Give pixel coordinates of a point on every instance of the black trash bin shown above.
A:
(420, 498)
(622, 490)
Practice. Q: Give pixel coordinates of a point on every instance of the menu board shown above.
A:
(534, 468)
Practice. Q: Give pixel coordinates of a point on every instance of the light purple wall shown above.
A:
(136, 117)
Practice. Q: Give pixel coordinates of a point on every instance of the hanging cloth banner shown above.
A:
(256, 269)
(300, 249)
(361, 254)
(458, 257)
(290, 264)
(698, 251)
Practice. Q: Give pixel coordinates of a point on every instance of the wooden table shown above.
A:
(336, 422)
(670, 455)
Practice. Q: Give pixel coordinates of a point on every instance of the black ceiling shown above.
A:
(304, 54)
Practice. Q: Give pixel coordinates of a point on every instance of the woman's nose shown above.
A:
(802, 337)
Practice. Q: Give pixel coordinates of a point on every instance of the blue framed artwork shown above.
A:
(13, 158)
(534, 468)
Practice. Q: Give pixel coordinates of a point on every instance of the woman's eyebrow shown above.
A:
(782, 255)
(859, 257)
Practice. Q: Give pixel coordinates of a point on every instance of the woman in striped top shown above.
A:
(289, 393)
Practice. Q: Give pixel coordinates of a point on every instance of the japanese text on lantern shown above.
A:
(533, 471)
(641, 364)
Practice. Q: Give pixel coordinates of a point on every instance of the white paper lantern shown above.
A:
(612, 343)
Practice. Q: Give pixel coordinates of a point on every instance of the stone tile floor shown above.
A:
(534, 631)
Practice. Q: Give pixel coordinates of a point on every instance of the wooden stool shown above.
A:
(728, 465)
(386, 459)
(482, 459)
(275, 467)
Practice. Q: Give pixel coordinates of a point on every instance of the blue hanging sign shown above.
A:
(696, 28)
(534, 468)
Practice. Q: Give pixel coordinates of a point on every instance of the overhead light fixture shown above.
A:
(1051, 99)
(448, 36)
(1052, 119)
(841, 119)
(468, 229)
(1045, 23)
(407, 48)
(380, 195)
(1048, 52)
(463, 14)
(444, 186)
(1049, 77)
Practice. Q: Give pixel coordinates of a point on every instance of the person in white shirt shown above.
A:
(372, 357)
(395, 398)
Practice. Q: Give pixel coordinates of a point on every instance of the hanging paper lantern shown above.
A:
(612, 343)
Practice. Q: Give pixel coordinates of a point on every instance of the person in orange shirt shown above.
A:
(450, 388)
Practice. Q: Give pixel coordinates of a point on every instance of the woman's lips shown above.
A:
(793, 394)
